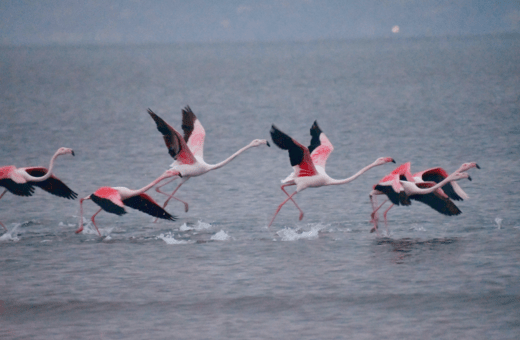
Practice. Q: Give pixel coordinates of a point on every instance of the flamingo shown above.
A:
(20, 181)
(440, 200)
(188, 151)
(309, 164)
(114, 199)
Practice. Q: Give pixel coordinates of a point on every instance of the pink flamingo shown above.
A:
(188, 151)
(309, 169)
(114, 199)
(20, 181)
(391, 186)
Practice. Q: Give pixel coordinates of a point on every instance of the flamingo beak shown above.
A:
(72, 152)
(476, 165)
(266, 142)
(469, 177)
(393, 161)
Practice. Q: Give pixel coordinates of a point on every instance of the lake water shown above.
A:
(218, 272)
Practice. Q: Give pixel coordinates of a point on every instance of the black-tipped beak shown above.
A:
(393, 161)
(270, 145)
(478, 167)
(73, 153)
(469, 177)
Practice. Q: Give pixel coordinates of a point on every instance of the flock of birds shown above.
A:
(433, 187)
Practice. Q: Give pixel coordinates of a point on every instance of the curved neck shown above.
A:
(230, 158)
(47, 175)
(353, 177)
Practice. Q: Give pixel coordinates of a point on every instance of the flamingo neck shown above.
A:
(47, 175)
(230, 158)
(435, 187)
(353, 177)
(148, 187)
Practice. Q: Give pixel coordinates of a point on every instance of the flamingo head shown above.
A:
(64, 151)
(258, 142)
(467, 166)
(171, 173)
(384, 160)
(460, 175)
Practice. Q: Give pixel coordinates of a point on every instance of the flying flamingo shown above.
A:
(188, 151)
(114, 199)
(391, 186)
(309, 164)
(20, 181)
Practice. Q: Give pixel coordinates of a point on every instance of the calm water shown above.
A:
(218, 272)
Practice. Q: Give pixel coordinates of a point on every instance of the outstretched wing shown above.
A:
(320, 147)
(299, 155)
(176, 145)
(146, 204)
(19, 189)
(436, 201)
(52, 185)
(194, 133)
(452, 189)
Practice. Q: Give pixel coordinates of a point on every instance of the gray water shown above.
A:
(218, 272)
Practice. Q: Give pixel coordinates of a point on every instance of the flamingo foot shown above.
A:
(301, 216)
(4, 226)
(186, 207)
(80, 229)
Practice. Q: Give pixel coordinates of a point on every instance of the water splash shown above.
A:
(498, 221)
(220, 236)
(289, 234)
(200, 226)
(170, 239)
(10, 235)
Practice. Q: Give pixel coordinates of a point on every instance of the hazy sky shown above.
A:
(135, 21)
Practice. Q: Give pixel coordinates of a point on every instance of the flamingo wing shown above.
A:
(194, 132)
(299, 155)
(451, 189)
(320, 147)
(146, 204)
(437, 200)
(176, 145)
(109, 200)
(19, 189)
(397, 198)
(52, 185)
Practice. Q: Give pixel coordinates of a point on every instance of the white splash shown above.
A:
(498, 221)
(220, 236)
(289, 234)
(200, 226)
(88, 229)
(170, 239)
(10, 235)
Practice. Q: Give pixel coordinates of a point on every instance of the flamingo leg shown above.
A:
(386, 224)
(286, 185)
(280, 207)
(171, 196)
(374, 217)
(80, 229)
(1, 222)
(94, 222)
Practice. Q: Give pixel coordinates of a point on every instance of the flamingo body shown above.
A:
(114, 199)
(188, 150)
(306, 173)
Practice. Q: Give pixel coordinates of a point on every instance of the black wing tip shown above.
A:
(187, 109)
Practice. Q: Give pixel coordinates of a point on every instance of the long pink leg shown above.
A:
(1, 222)
(374, 217)
(94, 222)
(280, 207)
(80, 229)
(158, 189)
(286, 185)
(386, 224)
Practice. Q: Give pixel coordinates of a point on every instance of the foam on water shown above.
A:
(289, 234)
(220, 236)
